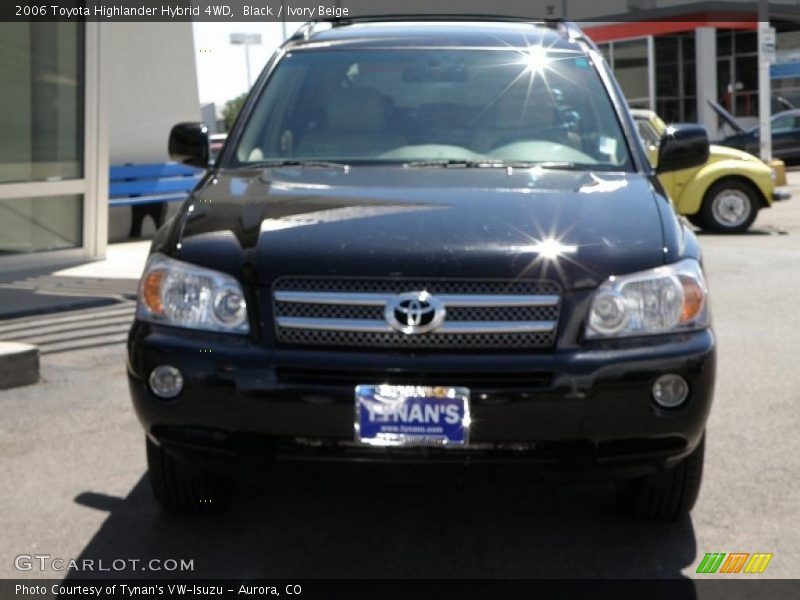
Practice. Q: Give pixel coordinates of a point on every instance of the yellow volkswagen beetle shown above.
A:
(724, 194)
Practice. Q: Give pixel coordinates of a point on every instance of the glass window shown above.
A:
(403, 105)
(747, 72)
(669, 109)
(785, 94)
(606, 50)
(689, 110)
(746, 84)
(667, 59)
(667, 51)
(41, 121)
(787, 40)
(630, 68)
(784, 124)
(667, 81)
(675, 75)
(687, 46)
(724, 43)
(689, 78)
(41, 223)
(724, 82)
(745, 42)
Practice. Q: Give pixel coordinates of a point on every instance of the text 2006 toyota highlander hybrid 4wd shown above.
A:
(429, 241)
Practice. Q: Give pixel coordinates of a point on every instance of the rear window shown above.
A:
(399, 105)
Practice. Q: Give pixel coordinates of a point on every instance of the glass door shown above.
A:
(41, 137)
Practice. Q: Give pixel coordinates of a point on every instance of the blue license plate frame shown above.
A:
(412, 415)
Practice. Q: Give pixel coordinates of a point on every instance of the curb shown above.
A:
(78, 303)
(19, 364)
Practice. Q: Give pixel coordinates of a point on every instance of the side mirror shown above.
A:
(188, 144)
(683, 146)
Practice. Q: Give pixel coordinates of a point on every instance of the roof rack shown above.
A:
(431, 17)
(307, 30)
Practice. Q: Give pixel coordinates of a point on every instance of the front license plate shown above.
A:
(410, 415)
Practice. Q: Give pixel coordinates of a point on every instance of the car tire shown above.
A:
(181, 486)
(156, 211)
(668, 495)
(696, 220)
(729, 206)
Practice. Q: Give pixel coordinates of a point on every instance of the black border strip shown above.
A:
(305, 10)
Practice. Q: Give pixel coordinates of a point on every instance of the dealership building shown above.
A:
(675, 56)
(78, 97)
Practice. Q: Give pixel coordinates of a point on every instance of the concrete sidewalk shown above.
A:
(93, 284)
(26, 330)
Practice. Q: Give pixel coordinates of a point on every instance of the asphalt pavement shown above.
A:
(75, 484)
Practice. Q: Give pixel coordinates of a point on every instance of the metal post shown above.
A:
(246, 40)
(651, 71)
(705, 43)
(766, 51)
(247, 64)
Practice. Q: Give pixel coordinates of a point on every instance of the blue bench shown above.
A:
(131, 185)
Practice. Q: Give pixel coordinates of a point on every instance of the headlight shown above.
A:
(774, 174)
(173, 292)
(662, 300)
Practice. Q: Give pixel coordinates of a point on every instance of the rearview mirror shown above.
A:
(683, 145)
(188, 144)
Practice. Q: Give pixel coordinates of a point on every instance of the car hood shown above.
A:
(727, 117)
(717, 152)
(577, 227)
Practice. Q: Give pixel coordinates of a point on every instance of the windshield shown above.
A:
(407, 106)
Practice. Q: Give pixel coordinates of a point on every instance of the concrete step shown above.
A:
(19, 364)
(85, 343)
(30, 334)
(117, 309)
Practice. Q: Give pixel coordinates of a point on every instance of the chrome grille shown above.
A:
(486, 314)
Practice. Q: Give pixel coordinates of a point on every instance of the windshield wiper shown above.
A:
(488, 163)
(560, 164)
(464, 163)
(455, 162)
(297, 162)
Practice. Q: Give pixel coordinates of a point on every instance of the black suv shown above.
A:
(429, 241)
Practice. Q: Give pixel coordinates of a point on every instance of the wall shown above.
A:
(152, 85)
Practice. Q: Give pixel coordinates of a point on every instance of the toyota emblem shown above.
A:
(414, 312)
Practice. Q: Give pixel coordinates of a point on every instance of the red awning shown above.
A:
(622, 30)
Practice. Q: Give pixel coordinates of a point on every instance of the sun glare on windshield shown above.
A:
(535, 59)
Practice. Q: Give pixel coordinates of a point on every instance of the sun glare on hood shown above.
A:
(551, 248)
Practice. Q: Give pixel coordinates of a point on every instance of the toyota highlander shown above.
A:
(429, 241)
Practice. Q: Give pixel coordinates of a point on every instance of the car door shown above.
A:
(786, 137)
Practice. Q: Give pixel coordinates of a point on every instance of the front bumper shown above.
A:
(587, 407)
(780, 195)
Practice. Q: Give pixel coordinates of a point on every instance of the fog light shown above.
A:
(166, 381)
(670, 390)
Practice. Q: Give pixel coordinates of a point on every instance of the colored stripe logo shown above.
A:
(735, 562)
